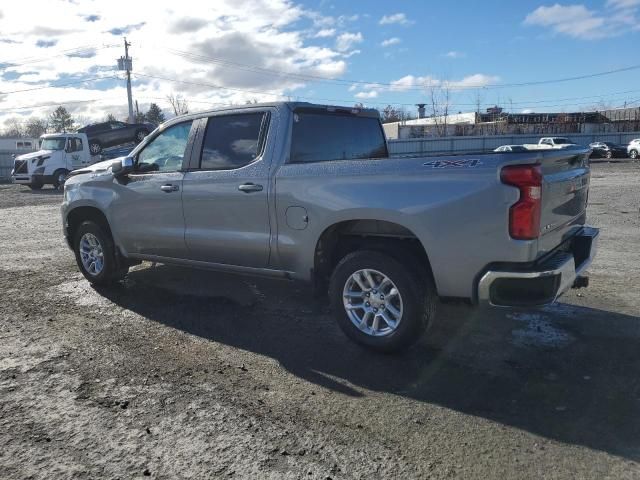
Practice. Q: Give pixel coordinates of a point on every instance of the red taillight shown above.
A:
(524, 215)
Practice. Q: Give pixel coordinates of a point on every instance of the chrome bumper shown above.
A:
(545, 282)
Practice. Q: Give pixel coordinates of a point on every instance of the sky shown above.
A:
(522, 55)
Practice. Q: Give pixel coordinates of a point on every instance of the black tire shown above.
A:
(633, 154)
(111, 271)
(140, 134)
(59, 177)
(95, 147)
(416, 290)
(35, 185)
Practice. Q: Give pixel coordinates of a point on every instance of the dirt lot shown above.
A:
(183, 374)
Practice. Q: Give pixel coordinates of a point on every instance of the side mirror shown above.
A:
(123, 167)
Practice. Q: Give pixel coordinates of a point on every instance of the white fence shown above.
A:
(445, 145)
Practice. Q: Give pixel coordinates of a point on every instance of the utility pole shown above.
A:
(126, 63)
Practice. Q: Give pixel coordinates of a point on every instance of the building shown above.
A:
(9, 147)
(497, 122)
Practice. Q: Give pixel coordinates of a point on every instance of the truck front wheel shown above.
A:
(379, 302)
(59, 178)
(96, 255)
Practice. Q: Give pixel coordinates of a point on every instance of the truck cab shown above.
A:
(59, 154)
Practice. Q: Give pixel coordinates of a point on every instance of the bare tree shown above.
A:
(178, 104)
(439, 103)
(13, 127)
(35, 127)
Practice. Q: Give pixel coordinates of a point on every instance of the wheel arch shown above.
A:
(346, 236)
(77, 215)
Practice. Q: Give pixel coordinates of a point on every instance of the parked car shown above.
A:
(511, 148)
(109, 134)
(633, 149)
(59, 154)
(547, 143)
(607, 150)
(309, 192)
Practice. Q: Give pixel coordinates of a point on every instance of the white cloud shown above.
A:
(346, 40)
(390, 41)
(215, 42)
(577, 21)
(573, 20)
(396, 18)
(623, 4)
(325, 32)
(369, 94)
(409, 82)
(454, 54)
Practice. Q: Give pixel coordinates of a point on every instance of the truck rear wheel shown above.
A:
(379, 302)
(95, 147)
(96, 255)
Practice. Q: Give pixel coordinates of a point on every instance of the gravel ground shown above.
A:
(189, 374)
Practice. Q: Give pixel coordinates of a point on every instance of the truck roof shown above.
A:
(63, 134)
(293, 106)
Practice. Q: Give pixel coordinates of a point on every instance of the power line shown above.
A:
(374, 102)
(55, 104)
(90, 79)
(65, 53)
(373, 84)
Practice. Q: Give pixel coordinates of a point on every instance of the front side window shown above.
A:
(117, 125)
(75, 145)
(232, 141)
(321, 137)
(166, 151)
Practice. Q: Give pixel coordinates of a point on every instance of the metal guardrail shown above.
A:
(446, 145)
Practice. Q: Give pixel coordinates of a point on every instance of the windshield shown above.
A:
(55, 143)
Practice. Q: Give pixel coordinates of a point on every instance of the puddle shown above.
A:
(538, 331)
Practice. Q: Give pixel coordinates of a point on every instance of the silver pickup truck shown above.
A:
(309, 192)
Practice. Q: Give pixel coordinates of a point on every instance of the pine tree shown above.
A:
(61, 121)
(154, 115)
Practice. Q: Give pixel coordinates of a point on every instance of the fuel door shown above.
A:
(297, 218)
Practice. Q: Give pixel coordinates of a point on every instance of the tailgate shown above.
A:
(565, 190)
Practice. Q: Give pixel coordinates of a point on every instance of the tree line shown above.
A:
(60, 120)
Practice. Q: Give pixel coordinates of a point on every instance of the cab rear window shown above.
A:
(321, 137)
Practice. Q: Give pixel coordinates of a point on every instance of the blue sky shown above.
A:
(372, 52)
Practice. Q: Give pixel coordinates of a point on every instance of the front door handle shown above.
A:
(169, 188)
(250, 187)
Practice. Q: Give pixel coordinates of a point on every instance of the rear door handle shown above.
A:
(169, 188)
(250, 187)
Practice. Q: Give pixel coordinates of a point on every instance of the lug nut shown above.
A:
(375, 310)
(368, 304)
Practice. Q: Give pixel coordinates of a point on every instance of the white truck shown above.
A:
(59, 154)
(553, 143)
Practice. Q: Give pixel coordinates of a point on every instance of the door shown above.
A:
(225, 197)
(147, 212)
(75, 153)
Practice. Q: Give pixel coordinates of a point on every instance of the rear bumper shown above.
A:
(543, 282)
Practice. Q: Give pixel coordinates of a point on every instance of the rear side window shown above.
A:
(319, 137)
(232, 141)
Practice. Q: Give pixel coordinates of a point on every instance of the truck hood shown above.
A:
(39, 153)
(99, 167)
